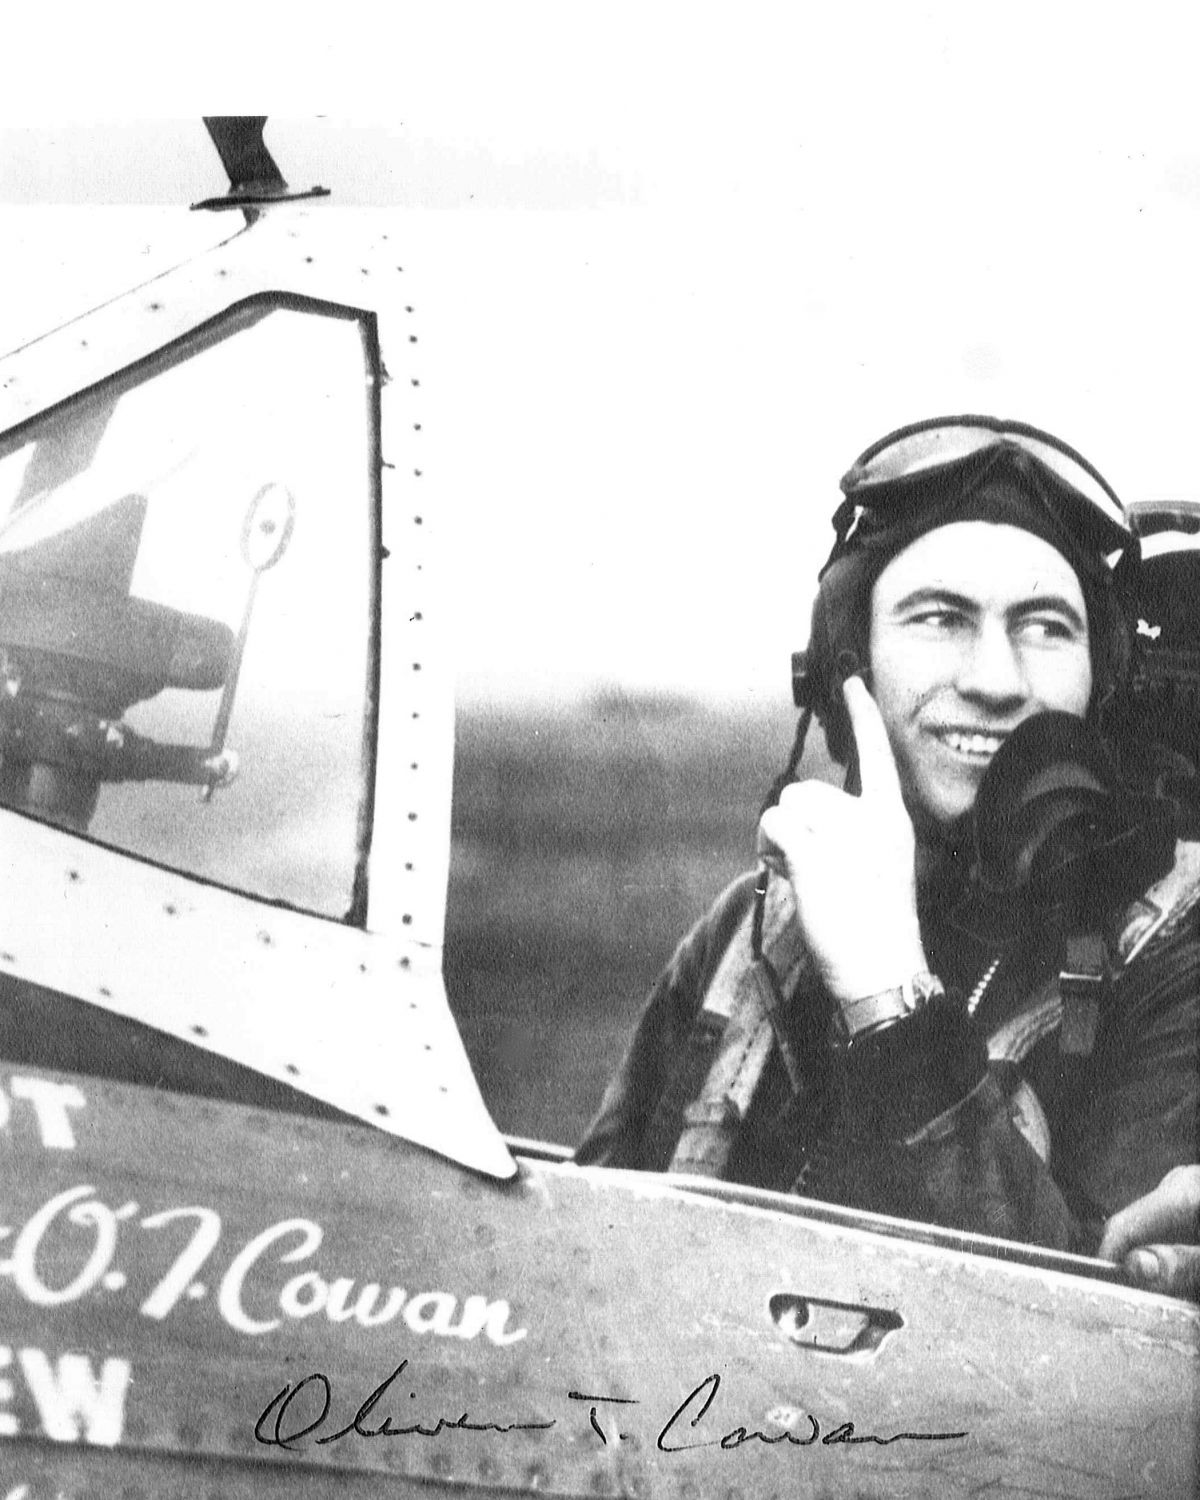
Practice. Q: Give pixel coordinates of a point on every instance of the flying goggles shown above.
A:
(932, 474)
(933, 464)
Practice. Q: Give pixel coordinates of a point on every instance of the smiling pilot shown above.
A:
(858, 1023)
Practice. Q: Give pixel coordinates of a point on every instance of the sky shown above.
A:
(677, 265)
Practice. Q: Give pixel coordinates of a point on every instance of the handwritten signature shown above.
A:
(273, 1431)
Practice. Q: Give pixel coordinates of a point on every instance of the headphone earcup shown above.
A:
(835, 651)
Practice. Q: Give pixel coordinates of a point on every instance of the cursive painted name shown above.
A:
(267, 1282)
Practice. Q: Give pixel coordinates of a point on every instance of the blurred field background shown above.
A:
(586, 840)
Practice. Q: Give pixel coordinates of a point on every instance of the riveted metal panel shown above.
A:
(571, 1332)
(350, 260)
(357, 1019)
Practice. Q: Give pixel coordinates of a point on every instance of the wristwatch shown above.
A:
(871, 1013)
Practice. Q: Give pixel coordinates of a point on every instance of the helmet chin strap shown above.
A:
(795, 756)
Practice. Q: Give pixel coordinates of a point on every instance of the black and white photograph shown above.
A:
(600, 755)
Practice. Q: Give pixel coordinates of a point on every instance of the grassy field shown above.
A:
(586, 841)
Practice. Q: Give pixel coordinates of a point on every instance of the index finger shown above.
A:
(876, 763)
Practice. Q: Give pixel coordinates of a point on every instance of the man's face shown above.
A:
(974, 627)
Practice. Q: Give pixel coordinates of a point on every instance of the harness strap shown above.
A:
(733, 1039)
(730, 1041)
(1148, 923)
(683, 1087)
(1019, 1035)
(1154, 917)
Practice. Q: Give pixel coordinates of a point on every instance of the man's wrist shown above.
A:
(868, 1014)
(902, 1077)
(879, 971)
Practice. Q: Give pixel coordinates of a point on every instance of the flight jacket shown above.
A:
(974, 1117)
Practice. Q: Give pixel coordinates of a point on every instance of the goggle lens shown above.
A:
(925, 447)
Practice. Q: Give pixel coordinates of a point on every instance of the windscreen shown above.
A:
(186, 565)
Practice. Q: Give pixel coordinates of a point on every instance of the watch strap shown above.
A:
(871, 1013)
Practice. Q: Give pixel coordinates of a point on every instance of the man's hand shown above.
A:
(1155, 1238)
(851, 862)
